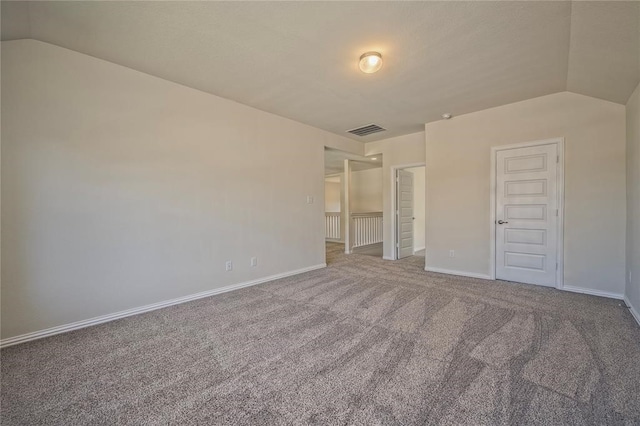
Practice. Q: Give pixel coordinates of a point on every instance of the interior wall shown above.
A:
(366, 191)
(121, 190)
(419, 206)
(407, 150)
(458, 184)
(632, 289)
(332, 196)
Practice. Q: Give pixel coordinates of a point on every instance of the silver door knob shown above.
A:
(500, 222)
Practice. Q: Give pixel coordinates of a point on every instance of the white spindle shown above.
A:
(332, 226)
(367, 228)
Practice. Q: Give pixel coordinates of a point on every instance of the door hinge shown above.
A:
(556, 266)
(397, 212)
(557, 212)
(398, 245)
(557, 158)
(397, 180)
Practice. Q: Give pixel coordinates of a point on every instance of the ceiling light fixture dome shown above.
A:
(370, 62)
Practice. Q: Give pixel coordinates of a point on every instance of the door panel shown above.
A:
(531, 188)
(526, 214)
(524, 260)
(526, 163)
(405, 213)
(530, 212)
(525, 236)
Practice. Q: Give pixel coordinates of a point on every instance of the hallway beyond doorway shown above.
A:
(375, 250)
(369, 250)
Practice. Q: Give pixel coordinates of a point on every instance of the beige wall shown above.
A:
(407, 150)
(419, 204)
(458, 162)
(120, 189)
(332, 196)
(632, 290)
(366, 191)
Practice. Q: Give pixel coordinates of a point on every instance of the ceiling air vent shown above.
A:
(366, 130)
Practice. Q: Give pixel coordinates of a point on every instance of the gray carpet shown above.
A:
(370, 250)
(364, 341)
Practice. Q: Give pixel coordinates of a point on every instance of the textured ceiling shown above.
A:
(299, 59)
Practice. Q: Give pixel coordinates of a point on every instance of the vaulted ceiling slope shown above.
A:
(299, 59)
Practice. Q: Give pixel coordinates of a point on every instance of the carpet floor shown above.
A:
(363, 341)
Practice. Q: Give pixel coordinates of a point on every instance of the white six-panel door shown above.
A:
(405, 214)
(527, 214)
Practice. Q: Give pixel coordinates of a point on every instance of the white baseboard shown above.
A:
(592, 292)
(152, 307)
(417, 249)
(565, 288)
(459, 273)
(387, 258)
(633, 311)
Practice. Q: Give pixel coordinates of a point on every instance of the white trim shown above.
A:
(633, 311)
(387, 258)
(345, 209)
(592, 292)
(560, 182)
(492, 200)
(565, 288)
(152, 307)
(459, 273)
(417, 249)
(394, 203)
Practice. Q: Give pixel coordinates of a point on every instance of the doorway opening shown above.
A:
(353, 202)
(409, 200)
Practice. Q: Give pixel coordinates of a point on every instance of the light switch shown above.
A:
(309, 199)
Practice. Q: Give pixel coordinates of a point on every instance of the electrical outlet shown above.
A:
(254, 261)
(452, 253)
(228, 266)
(309, 199)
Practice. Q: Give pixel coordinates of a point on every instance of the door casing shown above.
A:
(394, 205)
(400, 221)
(560, 182)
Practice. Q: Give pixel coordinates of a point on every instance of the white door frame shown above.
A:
(394, 203)
(560, 182)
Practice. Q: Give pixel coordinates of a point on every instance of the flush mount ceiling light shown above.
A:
(447, 116)
(373, 158)
(370, 62)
